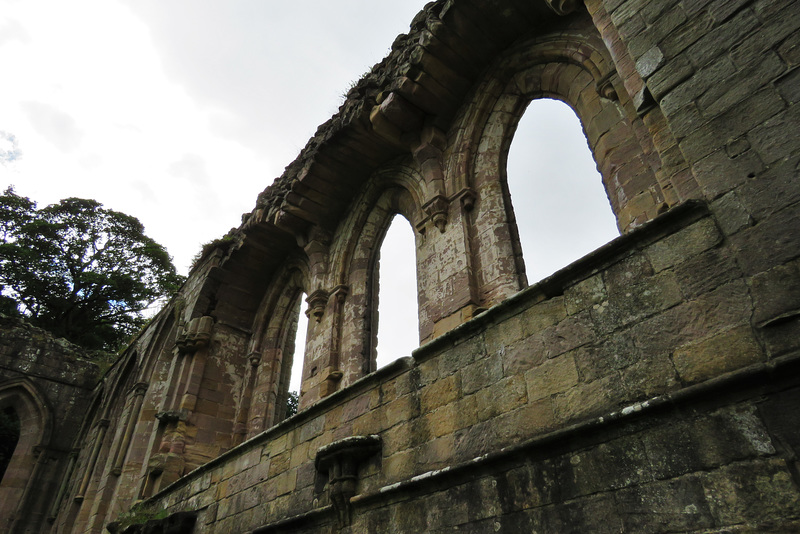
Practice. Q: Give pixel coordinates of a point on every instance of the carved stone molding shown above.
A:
(563, 7)
(340, 460)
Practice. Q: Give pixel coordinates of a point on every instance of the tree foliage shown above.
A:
(79, 270)
(292, 401)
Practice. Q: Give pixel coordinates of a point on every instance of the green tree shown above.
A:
(79, 270)
(292, 401)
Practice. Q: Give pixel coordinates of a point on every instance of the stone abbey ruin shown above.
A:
(650, 387)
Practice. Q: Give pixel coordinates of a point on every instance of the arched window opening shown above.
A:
(9, 437)
(296, 368)
(561, 208)
(396, 290)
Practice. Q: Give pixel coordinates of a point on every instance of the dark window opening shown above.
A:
(9, 437)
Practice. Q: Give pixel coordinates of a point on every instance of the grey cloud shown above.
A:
(58, 127)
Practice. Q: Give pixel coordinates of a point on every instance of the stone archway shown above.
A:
(21, 476)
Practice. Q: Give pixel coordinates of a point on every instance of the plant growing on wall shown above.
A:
(81, 271)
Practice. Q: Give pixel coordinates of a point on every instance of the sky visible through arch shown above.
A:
(180, 112)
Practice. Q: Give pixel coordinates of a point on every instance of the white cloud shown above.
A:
(57, 127)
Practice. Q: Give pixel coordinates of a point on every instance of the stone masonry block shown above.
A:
(707, 271)
(543, 314)
(585, 294)
(772, 190)
(609, 354)
(720, 39)
(731, 213)
(502, 397)
(789, 87)
(780, 231)
(632, 270)
(613, 465)
(705, 443)
(776, 292)
(552, 377)
(588, 399)
(662, 507)
(637, 301)
(684, 244)
(753, 492)
(777, 137)
(572, 332)
(401, 410)
(721, 173)
(502, 334)
(721, 353)
(481, 374)
(670, 75)
(650, 62)
(726, 95)
(523, 355)
(441, 392)
(440, 422)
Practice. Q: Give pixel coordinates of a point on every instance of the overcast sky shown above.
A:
(180, 112)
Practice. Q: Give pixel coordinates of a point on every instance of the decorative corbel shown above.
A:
(467, 198)
(605, 87)
(563, 7)
(317, 301)
(436, 209)
(340, 461)
(196, 334)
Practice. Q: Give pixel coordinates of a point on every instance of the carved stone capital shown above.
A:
(140, 388)
(340, 461)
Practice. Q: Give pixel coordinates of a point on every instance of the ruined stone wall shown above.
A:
(626, 393)
(650, 386)
(49, 384)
